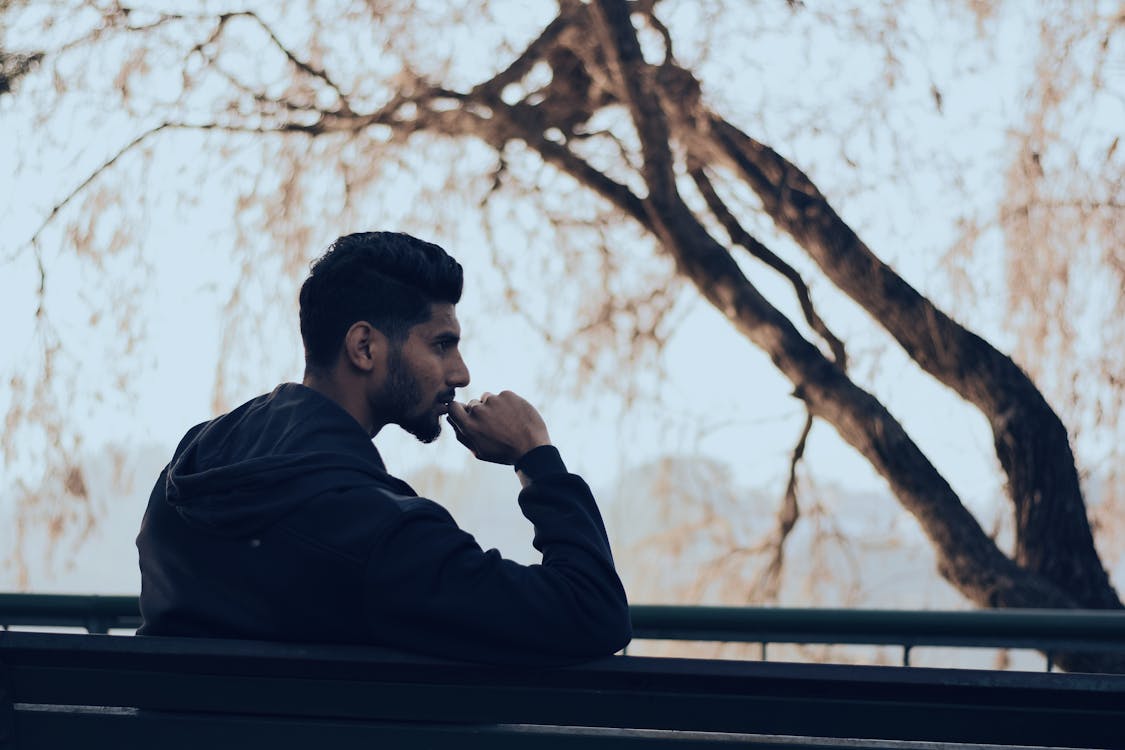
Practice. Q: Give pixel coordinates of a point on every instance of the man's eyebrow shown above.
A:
(450, 336)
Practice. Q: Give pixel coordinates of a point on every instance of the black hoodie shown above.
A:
(279, 521)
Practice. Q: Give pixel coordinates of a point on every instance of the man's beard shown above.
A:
(401, 396)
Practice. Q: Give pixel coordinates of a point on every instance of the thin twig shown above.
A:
(303, 65)
(93, 175)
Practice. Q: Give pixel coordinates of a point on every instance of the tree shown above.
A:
(594, 120)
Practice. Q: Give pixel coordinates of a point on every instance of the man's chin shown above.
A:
(425, 430)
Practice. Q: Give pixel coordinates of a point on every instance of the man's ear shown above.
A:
(365, 346)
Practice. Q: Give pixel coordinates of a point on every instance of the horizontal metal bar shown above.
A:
(1096, 630)
(68, 610)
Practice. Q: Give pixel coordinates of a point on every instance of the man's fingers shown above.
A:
(458, 418)
(457, 432)
(452, 420)
(459, 412)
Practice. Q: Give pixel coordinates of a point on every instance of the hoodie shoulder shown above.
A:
(246, 469)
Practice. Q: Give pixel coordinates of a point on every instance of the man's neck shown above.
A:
(349, 398)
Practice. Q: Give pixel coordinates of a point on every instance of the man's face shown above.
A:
(422, 373)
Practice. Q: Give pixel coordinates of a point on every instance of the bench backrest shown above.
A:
(90, 690)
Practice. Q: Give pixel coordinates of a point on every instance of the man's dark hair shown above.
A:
(388, 279)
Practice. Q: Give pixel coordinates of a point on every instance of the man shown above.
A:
(279, 521)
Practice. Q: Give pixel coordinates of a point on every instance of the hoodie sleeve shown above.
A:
(430, 587)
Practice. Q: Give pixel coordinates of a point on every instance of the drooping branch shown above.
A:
(787, 515)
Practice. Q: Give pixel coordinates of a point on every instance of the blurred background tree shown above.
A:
(621, 161)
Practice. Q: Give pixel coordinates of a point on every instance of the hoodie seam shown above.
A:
(319, 545)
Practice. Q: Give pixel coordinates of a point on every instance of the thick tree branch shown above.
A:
(510, 122)
(966, 554)
(1053, 533)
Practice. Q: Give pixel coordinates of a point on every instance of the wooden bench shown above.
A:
(75, 691)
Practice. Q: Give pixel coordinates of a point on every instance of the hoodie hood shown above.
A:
(243, 471)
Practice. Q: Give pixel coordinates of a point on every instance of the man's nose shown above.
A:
(458, 377)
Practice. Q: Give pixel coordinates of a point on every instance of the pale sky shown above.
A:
(721, 399)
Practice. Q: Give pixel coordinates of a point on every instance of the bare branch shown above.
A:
(615, 192)
(631, 74)
(508, 122)
(533, 53)
(148, 134)
(93, 176)
(743, 238)
(788, 516)
(302, 65)
(119, 21)
(788, 513)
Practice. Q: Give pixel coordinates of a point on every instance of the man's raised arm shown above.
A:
(431, 584)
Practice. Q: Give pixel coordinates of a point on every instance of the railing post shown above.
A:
(97, 625)
(7, 707)
(906, 654)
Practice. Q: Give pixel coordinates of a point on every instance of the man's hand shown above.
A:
(498, 428)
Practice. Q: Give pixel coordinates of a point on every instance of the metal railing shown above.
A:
(1048, 631)
(97, 614)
